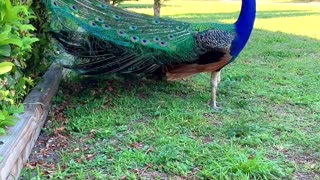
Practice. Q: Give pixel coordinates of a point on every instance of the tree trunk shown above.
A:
(114, 3)
(156, 8)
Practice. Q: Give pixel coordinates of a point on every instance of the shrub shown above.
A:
(16, 41)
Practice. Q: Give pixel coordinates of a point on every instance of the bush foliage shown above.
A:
(16, 40)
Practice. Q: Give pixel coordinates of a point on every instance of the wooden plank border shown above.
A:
(16, 146)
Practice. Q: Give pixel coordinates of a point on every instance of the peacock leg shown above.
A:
(215, 79)
(219, 77)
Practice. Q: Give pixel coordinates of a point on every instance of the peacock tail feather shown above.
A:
(104, 39)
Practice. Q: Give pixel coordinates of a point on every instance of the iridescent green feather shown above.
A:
(104, 39)
(125, 28)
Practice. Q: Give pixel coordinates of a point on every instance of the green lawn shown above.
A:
(269, 126)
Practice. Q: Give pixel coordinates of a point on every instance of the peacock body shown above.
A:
(104, 39)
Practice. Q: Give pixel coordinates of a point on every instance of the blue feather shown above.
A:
(243, 26)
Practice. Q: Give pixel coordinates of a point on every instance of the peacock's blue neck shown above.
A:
(243, 26)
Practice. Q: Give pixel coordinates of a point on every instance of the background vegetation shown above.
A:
(16, 39)
(23, 54)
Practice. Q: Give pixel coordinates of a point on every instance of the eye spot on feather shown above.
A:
(74, 7)
(117, 17)
(99, 19)
(103, 6)
(171, 37)
(106, 26)
(133, 27)
(163, 44)
(156, 39)
(144, 41)
(156, 22)
(92, 23)
(54, 3)
(121, 33)
(179, 28)
(134, 38)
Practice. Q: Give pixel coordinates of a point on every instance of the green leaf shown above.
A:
(20, 109)
(28, 41)
(5, 67)
(2, 132)
(15, 109)
(5, 50)
(2, 116)
(16, 41)
(21, 9)
(9, 121)
(25, 27)
(8, 5)
(5, 31)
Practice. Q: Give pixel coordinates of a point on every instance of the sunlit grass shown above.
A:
(290, 18)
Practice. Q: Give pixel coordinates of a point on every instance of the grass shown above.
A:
(269, 127)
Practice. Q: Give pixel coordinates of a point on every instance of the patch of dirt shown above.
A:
(307, 176)
(207, 140)
(158, 175)
(44, 154)
(51, 141)
(213, 119)
(307, 163)
(143, 120)
(146, 173)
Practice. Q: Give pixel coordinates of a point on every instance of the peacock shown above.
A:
(102, 39)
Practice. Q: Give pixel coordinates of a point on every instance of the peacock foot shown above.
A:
(214, 106)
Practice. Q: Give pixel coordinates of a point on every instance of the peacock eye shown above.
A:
(156, 39)
(156, 22)
(99, 19)
(170, 36)
(121, 33)
(117, 17)
(74, 7)
(144, 41)
(54, 3)
(92, 23)
(133, 27)
(103, 6)
(134, 39)
(163, 44)
(106, 26)
(179, 27)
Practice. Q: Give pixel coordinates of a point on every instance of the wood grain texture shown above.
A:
(20, 139)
